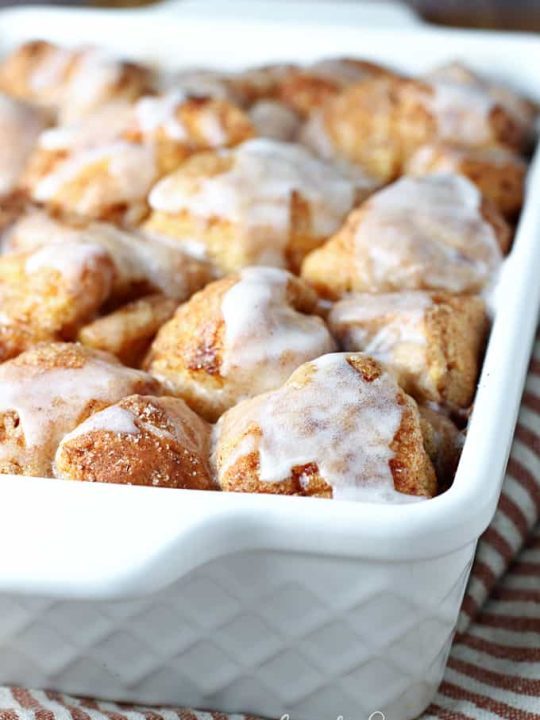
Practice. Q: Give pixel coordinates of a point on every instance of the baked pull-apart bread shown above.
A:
(142, 264)
(522, 110)
(47, 391)
(141, 440)
(104, 165)
(238, 337)
(128, 331)
(177, 125)
(427, 233)
(262, 203)
(340, 427)
(110, 182)
(432, 342)
(71, 82)
(46, 294)
(380, 122)
(20, 127)
(497, 172)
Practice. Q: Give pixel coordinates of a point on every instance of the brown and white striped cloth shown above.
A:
(494, 667)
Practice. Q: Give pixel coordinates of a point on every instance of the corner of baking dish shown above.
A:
(92, 540)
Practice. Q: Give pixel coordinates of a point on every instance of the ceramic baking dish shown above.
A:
(263, 604)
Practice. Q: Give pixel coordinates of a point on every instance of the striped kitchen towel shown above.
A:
(494, 667)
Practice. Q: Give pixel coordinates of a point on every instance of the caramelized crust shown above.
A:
(498, 173)
(47, 391)
(365, 444)
(238, 337)
(129, 331)
(141, 440)
(433, 233)
(432, 342)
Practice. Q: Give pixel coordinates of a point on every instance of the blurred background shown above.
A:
(520, 15)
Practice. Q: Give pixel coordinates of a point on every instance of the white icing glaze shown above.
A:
(20, 126)
(70, 260)
(153, 113)
(255, 192)
(114, 419)
(99, 128)
(426, 232)
(264, 333)
(130, 172)
(274, 120)
(387, 326)
(462, 112)
(334, 419)
(50, 73)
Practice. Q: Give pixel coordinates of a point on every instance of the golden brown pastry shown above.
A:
(141, 440)
(380, 122)
(72, 82)
(110, 182)
(20, 127)
(428, 233)
(522, 110)
(443, 442)
(142, 265)
(431, 341)
(340, 427)
(238, 337)
(47, 391)
(46, 294)
(498, 173)
(262, 203)
(306, 89)
(129, 331)
(177, 126)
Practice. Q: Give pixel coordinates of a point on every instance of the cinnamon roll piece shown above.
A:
(340, 427)
(238, 337)
(47, 294)
(262, 203)
(428, 233)
(141, 440)
(498, 173)
(379, 123)
(47, 391)
(128, 332)
(73, 82)
(432, 342)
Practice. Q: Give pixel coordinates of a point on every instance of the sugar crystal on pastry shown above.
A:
(141, 440)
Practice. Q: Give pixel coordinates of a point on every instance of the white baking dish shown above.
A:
(253, 603)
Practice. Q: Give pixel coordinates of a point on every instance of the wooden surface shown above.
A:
(499, 14)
